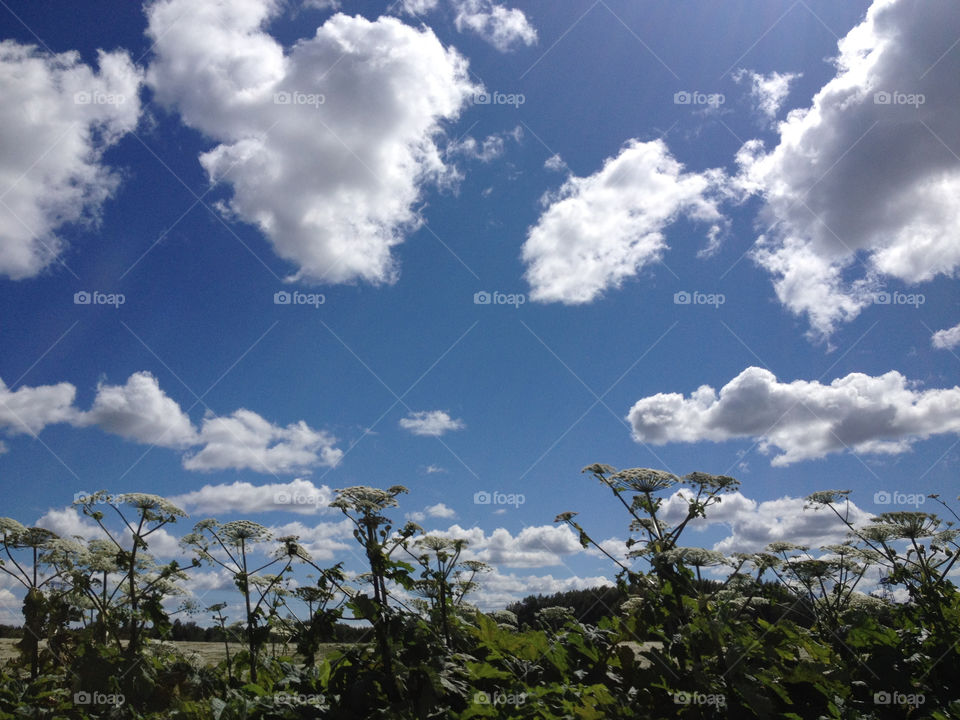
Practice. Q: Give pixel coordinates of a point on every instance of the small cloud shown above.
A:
(767, 91)
(430, 422)
(946, 339)
(431, 469)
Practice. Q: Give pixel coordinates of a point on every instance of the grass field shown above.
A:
(210, 652)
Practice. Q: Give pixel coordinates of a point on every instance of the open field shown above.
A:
(211, 652)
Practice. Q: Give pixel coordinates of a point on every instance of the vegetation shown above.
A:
(683, 632)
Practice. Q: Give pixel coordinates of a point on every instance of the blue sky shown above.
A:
(788, 168)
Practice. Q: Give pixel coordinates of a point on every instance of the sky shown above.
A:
(258, 250)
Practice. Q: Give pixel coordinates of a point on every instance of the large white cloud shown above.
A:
(298, 496)
(327, 145)
(141, 411)
(30, 409)
(244, 440)
(534, 546)
(598, 231)
(869, 171)
(58, 116)
(802, 419)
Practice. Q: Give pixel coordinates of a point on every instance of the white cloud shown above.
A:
(946, 339)
(433, 511)
(555, 163)
(489, 149)
(323, 540)
(333, 176)
(864, 174)
(504, 28)
(141, 411)
(58, 117)
(498, 589)
(297, 496)
(68, 522)
(431, 469)
(600, 230)
(430, 422)
(30, 409)
(245, 440)
(419, 7)
(802, 419)
(535, 546)
(767, 91)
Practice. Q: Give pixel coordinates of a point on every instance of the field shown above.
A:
(211, 652)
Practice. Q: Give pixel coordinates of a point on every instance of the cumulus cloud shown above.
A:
(864, 174)
(946, 339)
(68, 522)
(802, 419)
(141, 411)
(324, 540)
(767, 91)
(327, 144)
(487, 150)
(535, 546)
(245, 440)
(600, 230)
(430, 422)
(297, 496)
(500, 589)
(432, 511)
(58, 117)
(504, 28)
(30, 409)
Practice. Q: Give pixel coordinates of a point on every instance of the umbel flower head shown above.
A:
(645, 480)
(694, 556)
(367, 499)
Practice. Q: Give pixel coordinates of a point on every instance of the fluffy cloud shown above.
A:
(767, 91)
(502, 27)
(535, 546)
(30, 409)
(433, 511)
(802, 419)
(245, 440)
(487, 150)
(58, 117)
(946, 339)
(600, 230)
(326, 144)
(297, 496)
(141, 411)
(867, 172)
(322, 541)
(498, 589)
(430, 422)
(68, 522)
